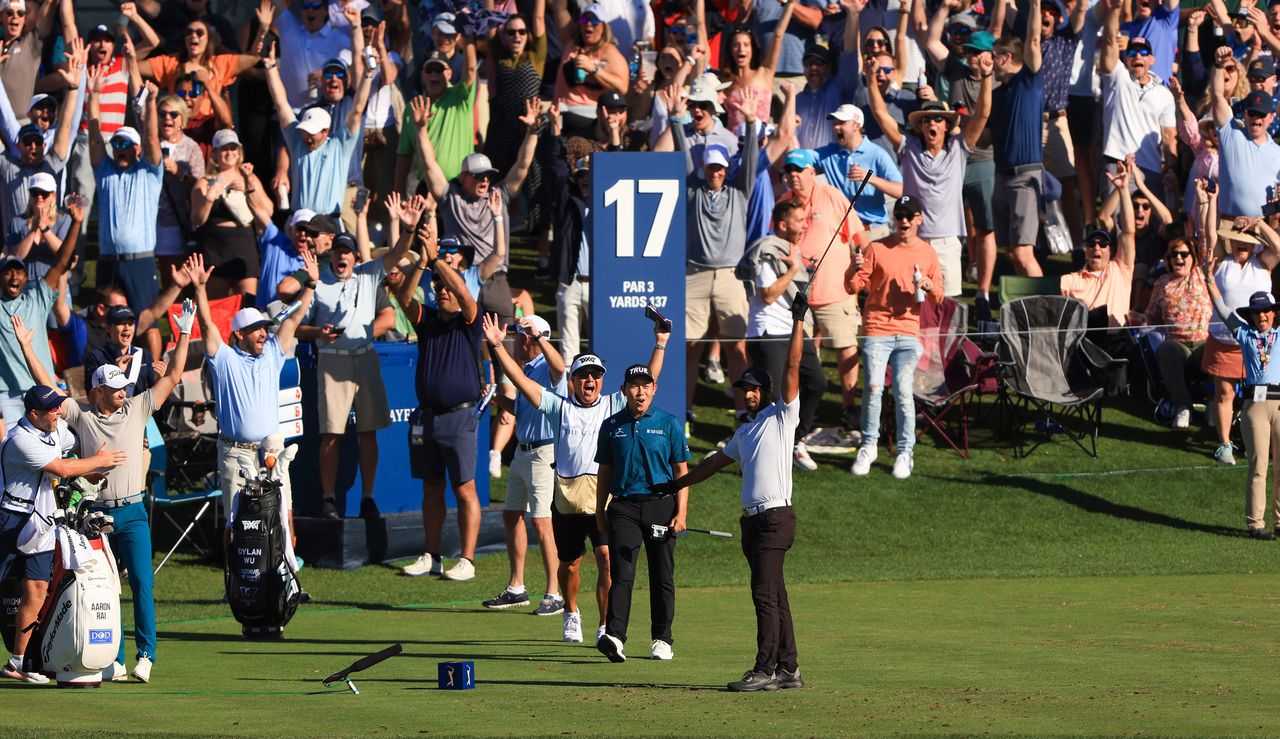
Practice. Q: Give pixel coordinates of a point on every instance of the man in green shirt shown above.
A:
(451, 124)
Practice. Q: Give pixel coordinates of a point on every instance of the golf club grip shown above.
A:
(365, 663)
(857, 193)
(712, 532)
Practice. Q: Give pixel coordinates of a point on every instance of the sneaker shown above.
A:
(369, 509)
(903, 464)
(801, 459)
(862, 464)
(790, 679)
(550, 606)
(971, 272)
(298, 563)
(599, 633)
(611, 647)
(573, 627)
(1182, 419)
(753, 680)
(1224, 455)
(660, 650)
(34, 678)
(463, 570)
(424, 565)
(495, 463)
(329, 509)
(142, 670)
(116, 673)
(1262, 534)
(713, 372)
(982, 309)
(505, 599)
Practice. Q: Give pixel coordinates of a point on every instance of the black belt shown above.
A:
(644, 498)
(238, 444)
(127, 257)
(582, 278)
(534, 445)
(451, 409)
(1021, 169)
(16, 499)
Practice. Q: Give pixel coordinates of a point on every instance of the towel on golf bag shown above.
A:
(261, 575)
(78, 630)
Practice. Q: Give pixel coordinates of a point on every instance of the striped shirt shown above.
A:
(114, 99)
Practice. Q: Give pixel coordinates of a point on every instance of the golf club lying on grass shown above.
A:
(711, 532)
(363, 663)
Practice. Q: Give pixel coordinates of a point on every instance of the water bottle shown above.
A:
(915, 281)
(370, 61)
(282, 193)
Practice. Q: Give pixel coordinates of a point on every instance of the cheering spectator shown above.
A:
(897, 102)
(629, 21)
(516, 66)
(173, 17)
(183, 168)
(1150, 217)
(590, 65)
(222, 214)
(829, 80)
(1157, 22)
(849, 158)
(570, 187)
(28, 158)
(752, 73)
(773, 18)
(1180, 305)
(1249, 158)
(43, 109)
(1059, 38)
(24, 28)
(450, 120)
(702, 122)
(37, 233)
(1202, 137)
(381, 134)
(305, 43)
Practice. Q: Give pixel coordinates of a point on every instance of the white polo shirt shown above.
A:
(1132, 116)
(27, 487)
(578, 430)
(763, 447)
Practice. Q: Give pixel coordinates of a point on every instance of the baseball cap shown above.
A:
(121, 314)
(637, 372)
(128, 133)
(41, 98)
(611, 99)
(345, 241)
(42, 398)
(11, 262)
(42, 181)
(541, 326)
(1138, 42)
(322, 223)
(1263, 66)
(225, 137)
(1259, 101)
(445, 23)
(315, 120)
(801, 158)
(583, 164)
(909, 204)
(111, 376)
(334, 63)
(30, 131)
(966, 19)
(1099, 235)
(586, 360)
(715, 154)
(593, 9)
(817, 51)
(247, 319)
(477, 163)
(437, 59)
(754, 377)
(846, 113)
(301, 215)
(980, 41)
(101, 31)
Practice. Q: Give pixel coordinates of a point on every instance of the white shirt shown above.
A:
(629, 20)
(1237, 282)
(773, 319)
(578, 429)
(27, 487)
(763, 447)
(302, 53)
(1132, 116)
(1084, 63)
(379, 113)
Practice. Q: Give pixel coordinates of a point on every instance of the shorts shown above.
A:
(979, 186)
(347, 380)
(1222, 360)
(1084, 119)
(37, 566)
(571, 532)
(136, 277)
(717, 290)
(170, 241)
(448, 446)
(836, 324)
(1059, 154)
(531, 481)
(949, 250)
(232, 251)
(11, 523)
(1016, 206)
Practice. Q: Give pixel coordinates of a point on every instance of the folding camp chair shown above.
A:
(1013, 287)
(164, 500)
(951, 369)
(1050, 369)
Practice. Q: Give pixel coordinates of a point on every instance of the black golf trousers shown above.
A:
(766, 537)
(630, 526)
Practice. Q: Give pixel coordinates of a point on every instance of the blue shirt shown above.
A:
(128, 204)
(1247, 168)
(1252, 346)
(759, 205)
(1161, 31)
(1017, 119)
(813, 106)
(641, 451)
(320, 177)
(279, 260)
(246, 390)
(32, 305)
(448, 359)
(766, 14)
(834, 161)
(532, 426)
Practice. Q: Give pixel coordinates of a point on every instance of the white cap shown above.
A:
(540, 323)
(705, 93)
(128, 133)
(248, 318)
(715, 154)
(225, 137)
(709, 79)
(477, 163)
(585, 360)
(42, 181)
(846, 113)
(445, 23)
(301, 215)
(595, 9)
(37, 99)
(314, 120)
(111, 376)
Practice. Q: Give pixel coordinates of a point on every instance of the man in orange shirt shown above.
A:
(898, 273)
(835, 312)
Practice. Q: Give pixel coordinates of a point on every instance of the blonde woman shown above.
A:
(183, 166)
(590, 66)
(223, 219)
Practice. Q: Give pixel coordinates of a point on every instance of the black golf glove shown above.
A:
(799, 306)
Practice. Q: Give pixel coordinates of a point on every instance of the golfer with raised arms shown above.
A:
(763, 446)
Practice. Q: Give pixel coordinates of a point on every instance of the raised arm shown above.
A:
(1109, 47)
(563, 21)
(179, 279)
(148, 38)
(67, 251)
(528, 147)
(934, 47)
(97, 148)
(659, 352)
(783, 141)
(498, 258)
(977, 121)
(791, 376)
(1158, 208)
(1219, 104)
(178, 362)
(1270, 254)
(880, 112)
(151, 128)
(437, 183)
(284, 112)
(199, 279)
(1031, 49)
(494, 334)
(289, 328)
(1126, 244)
(34, 365)
(424, 235)
(774, 52)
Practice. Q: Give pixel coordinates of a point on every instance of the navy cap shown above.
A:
(1259, 101)
(42, 398)
(12, 262)
(345, 241)
(754, 377)
(1263, 66)
(30, 130)
(121, 314)
(637, 372)
(334, 63)
(1098, 235)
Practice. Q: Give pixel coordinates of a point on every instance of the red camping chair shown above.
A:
(222, 310)
(952, 369)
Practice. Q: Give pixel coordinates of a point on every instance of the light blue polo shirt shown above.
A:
(128, 204)
(834, 160)
(1248, 169)
(246, 390)
(532, 426)
(1252, 346)
(32, 305)
(320, 177)
(641, 451)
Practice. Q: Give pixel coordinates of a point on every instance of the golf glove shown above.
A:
(187, 317)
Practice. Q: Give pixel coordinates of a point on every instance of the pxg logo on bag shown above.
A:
(100, 636)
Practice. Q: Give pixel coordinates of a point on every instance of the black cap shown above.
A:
(121, 314)
(101, 31)
(1139, 42)
(1099, 235)
(637, 372)
(1259, 101)
(435, 57)
(611, 99)
(324, 224)
(908, 203)
(754, 377)
(345, 241)
(820, 51)
(42, 398)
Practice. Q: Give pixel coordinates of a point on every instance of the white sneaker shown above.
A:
(862, 464)
(714, 373)
(902, 465)
(116, 673)
(142, 670)
(800, 458)
(573, 627)
(599, 633)
(34, 678)
(495, 463)
(1182, 419)
(424, 565)
(660, 650)
(611, 647)
(464, 570)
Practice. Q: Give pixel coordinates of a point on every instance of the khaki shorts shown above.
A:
(531, 482)
(718, 290)
(949, 249)
(1059, 153)
(837, 324)
(346, 380)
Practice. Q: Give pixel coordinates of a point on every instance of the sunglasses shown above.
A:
(1256, 114)
(959, 31)
(312, 6)
(119, 144)
(594, 374)
(450, 250)
(517, 32)
(170, 114)
(1137, 52)
(702, 105)
(15, 13)
(1097, 245)
(934, 118)
(302, 231)
(30, 140)
(875, 42)
(792, 169)
(1180, 255)
(187, 93)
(589, 20)
(903, 215)
(1141, 206)
(335, 74)
(886, 70)
(197, 32)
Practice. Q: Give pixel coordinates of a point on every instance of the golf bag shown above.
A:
(78, 632)
(261, 576)
(10, 596)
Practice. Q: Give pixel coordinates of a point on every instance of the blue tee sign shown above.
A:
(638, 260)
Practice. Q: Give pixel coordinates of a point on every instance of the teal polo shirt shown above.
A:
(640, 451)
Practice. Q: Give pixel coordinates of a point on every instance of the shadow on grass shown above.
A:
(196, 636)
(430, 684)
(1094, 504)
(442, 656)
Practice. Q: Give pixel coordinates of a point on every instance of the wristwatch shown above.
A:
(310, 284)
